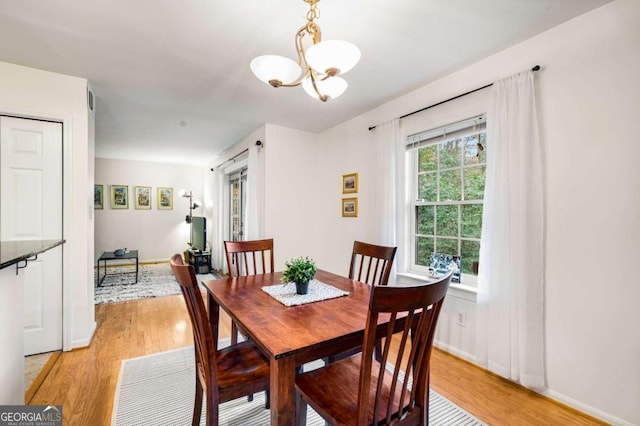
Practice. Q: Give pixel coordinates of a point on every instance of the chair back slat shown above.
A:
(407, 399)
(249, 257)
(371, 263)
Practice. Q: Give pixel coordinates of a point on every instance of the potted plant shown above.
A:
(300, 271)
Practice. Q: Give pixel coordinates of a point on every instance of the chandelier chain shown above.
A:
(313, 12)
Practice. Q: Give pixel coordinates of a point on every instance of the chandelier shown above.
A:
(318, 68)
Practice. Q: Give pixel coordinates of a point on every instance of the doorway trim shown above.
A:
(223, 219)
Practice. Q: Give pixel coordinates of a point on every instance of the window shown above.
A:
(447, 179)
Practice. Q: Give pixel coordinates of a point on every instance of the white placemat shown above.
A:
(286, 293)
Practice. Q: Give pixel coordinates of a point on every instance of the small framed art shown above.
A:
(98, 197)
(350, 183)
(119, 197)
(142, 197)
(349, 207)
(165, 198)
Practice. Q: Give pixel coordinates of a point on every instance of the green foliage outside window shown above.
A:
(428, 187)
(447, 222)
(427, 159)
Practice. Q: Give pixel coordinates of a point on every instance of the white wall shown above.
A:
(291, 198)
(156, 234)
(589, 104)
(344, 150)
(28, 92)
(290, 201)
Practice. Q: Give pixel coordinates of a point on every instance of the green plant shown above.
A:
(299, 270)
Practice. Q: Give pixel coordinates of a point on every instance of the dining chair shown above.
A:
(362, 391)
(370, 264)
(248, 258)
(225, 374)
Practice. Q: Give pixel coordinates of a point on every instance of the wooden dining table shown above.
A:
(291, 336)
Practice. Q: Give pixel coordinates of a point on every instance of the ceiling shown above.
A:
(172, 79)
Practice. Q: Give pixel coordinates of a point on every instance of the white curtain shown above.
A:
(389, 152)
(510, 334)
(217, 225)
(254, 228)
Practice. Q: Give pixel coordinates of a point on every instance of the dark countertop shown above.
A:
(12, 252)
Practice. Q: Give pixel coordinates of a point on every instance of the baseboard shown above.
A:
(86, 342)
(154, 261)
(455, 351)
(140, 263)
(584, 408)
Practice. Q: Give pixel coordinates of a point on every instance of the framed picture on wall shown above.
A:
(165, 198)
(98, 196)
(143, 197)
(350, 183)
(119, 196)
(349, 207)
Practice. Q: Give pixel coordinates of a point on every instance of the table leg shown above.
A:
(214, 318)
(283, 376)
(136, 269)
(100, 280)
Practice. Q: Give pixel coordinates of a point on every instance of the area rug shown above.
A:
(154, 280)
(158, 389)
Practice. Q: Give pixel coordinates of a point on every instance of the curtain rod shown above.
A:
(536, 68)
(258, 143)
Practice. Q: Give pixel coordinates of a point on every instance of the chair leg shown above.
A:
(197, 403)
(378, 350)
(301, 411)
(212, 410)
(267, 399)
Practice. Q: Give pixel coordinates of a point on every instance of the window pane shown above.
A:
(424, 249)
(473, 154)
(450, 179)
(451, 185)
(427, 160)
(447, 220)
(447, 246)
(427, 187)
(471, 220)
(470, 253)
(474, 183)
(450, 153)
(424, 220)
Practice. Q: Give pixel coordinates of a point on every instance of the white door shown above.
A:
(31, 209)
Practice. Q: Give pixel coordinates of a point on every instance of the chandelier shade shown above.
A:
(273, 68)
(330, 55)
(318, 66)
(332, 87)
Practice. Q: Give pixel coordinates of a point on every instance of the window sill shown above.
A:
(455, 289)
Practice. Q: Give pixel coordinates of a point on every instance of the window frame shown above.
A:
(468, 281)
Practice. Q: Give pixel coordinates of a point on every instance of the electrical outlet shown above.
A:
(461, 318)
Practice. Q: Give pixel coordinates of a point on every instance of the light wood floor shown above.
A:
(83, 381)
